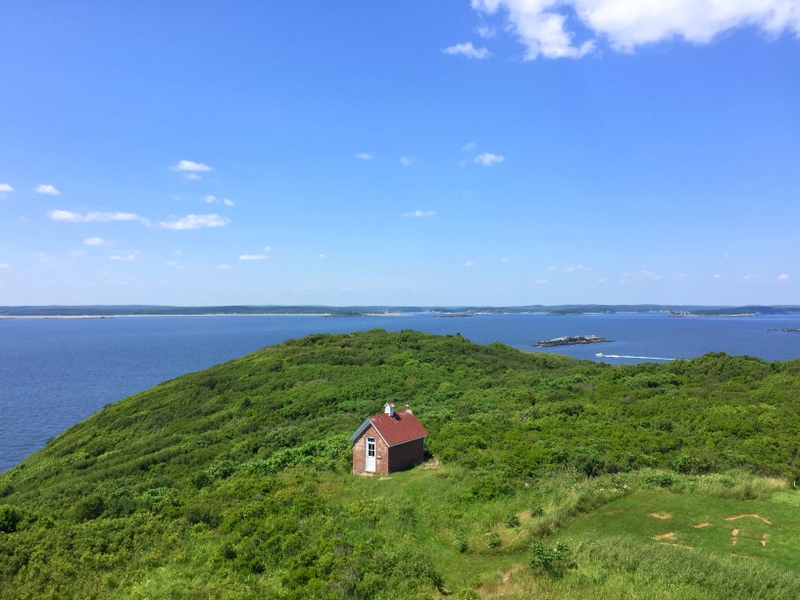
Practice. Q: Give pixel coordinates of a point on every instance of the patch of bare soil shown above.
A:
(431, 464)
(661, 515)
(702, 525)
(668, 539)
(753, 516)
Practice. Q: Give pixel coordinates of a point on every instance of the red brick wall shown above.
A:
(399, 457)
(360, 453)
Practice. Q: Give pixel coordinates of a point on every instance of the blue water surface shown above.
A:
(56, 372)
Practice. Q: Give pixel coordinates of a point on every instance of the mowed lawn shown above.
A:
(763, 530)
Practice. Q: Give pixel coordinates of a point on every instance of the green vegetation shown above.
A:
(547, 477)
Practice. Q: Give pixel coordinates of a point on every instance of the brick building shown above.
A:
(388, 442)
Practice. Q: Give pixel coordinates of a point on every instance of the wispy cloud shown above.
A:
(49, 190)
(545, 27)
(542, 282)
(195, 222)
(124, 257)
(469, 146)
(406, 161)
(95, 241)
(224, 267)
(783, 277)
(574, 268)
(253, 257)
(5, 189)
(639, 276)
(420, 213)
(213, 199)
(485, 31)
(364, 156)
(487, 159)
(468, 50)
(469, 264)
(323, 256)
(96, 217)
(190, 167)
(5, 266)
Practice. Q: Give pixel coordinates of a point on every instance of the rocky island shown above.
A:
(572, 340)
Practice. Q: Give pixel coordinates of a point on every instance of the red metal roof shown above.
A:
(398, 429)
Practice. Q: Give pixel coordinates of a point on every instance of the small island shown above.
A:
(785, 330)
(572, 340)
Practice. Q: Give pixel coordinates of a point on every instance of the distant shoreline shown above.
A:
(313, 310)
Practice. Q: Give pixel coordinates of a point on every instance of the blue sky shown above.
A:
(501, 152)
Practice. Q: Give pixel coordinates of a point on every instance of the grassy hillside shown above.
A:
(542, 475)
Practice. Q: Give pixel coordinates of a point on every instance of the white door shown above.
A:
(370, 466)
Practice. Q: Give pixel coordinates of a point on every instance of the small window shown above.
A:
(370, 446)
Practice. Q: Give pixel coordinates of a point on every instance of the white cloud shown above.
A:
(172, 263)
(504, 260)
(189, 166)
(783, 277)
(213, 199)
(487, 159)
(406, 161)
(468, 50)
(195, 222)
(469, 146)
(49, 190)
(323, 256)
(643, 275)
(485, 31)
(469, 263)
(95, 241)
(420, 213)
(122, 257)
(224, 267)
(364, 156)
(267, 249)
(552, 268)
(542, 282)
(5, 266)
(574, 268)
(99, 217)
(193, 176)
(542, 25)
(717, 277)
(5, 188)
(253, 257)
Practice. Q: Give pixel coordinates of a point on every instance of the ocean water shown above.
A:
(56, 372)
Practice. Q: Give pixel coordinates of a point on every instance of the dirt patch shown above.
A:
(759, 517)
(662, 516)
(764, 540)
(664, 536)
(431, 464)
(702, 525)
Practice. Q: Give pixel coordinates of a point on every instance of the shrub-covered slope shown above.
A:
(234, 482)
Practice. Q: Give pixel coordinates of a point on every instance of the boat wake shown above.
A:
(601, 355)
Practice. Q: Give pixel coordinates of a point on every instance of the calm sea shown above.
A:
(56, 372)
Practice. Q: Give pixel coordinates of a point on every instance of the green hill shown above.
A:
(542, 477)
